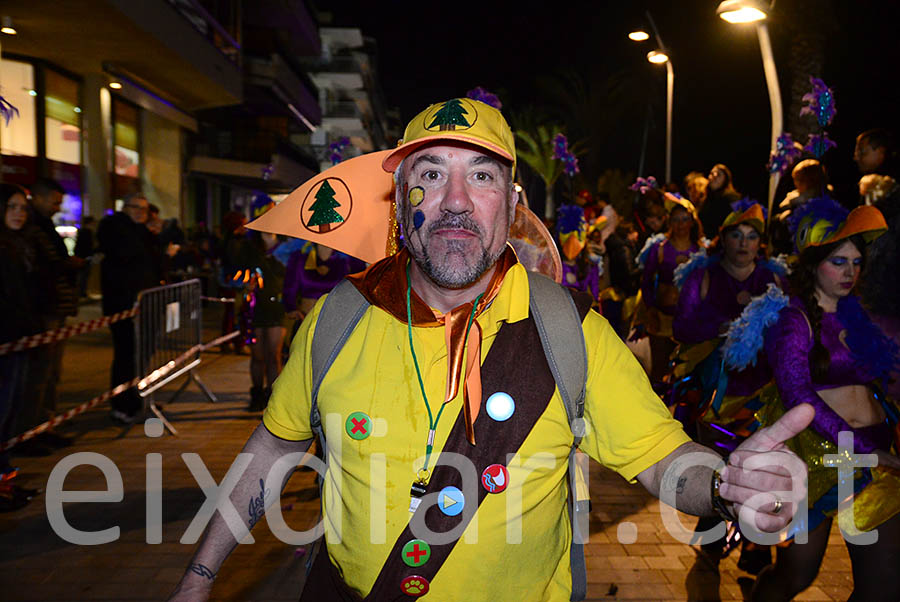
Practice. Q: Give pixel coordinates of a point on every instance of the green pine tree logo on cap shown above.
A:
(451, 114)
(323, 209)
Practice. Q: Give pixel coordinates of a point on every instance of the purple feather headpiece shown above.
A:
(267, 171)
(336, 150)
(7, 111)
(745, 203)
(822, 208)
(561, 152)
(644, 184)
(820, 102)
(818, 144)
(784, 155)
(488, 98)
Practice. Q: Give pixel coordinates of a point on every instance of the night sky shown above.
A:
(431, 51)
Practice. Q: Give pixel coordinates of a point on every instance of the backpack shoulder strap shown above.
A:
(558, 320)
(559, 326)
(341, 312)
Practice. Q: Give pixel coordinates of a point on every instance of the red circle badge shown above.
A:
(495, 478)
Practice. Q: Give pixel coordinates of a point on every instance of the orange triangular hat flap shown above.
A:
(347, 207)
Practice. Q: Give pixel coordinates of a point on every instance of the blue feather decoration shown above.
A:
(745, 203)
(570, 218)
(746, 333)
(697, 261)
(823, 207)
(284, 251)
(871, 349)
(778, 265)
(651, 242)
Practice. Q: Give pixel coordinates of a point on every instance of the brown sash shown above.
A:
(515, 364)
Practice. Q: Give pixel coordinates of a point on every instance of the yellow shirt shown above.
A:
(366, 496)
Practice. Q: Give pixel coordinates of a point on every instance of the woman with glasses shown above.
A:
(716, 405)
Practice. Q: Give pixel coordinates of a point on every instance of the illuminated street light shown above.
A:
(741, 11)
(8, 28)
(115, 85)
(659, 57)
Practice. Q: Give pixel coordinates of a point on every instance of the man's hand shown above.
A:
(764, 479)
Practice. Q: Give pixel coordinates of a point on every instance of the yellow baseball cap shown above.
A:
(459, 119)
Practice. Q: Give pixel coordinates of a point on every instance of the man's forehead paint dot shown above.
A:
(418, 219)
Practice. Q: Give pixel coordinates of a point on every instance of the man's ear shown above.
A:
(513, 201)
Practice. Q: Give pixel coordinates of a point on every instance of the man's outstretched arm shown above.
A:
(219, 540)
(760, 465)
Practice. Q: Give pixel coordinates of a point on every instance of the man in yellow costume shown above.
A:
(448, 442)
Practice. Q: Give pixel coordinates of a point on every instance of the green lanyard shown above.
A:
(422, 474)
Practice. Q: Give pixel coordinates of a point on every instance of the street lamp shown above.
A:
(755, 11)
(658, 57)
(639, 35)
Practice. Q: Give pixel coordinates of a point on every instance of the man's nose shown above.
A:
(456, 196)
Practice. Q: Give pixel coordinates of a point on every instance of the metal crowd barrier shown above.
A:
(168, 327)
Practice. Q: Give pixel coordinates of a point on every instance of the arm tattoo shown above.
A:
(257, 505)
(203, 571)
(680, 487)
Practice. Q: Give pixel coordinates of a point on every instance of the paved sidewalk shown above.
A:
(37, 564)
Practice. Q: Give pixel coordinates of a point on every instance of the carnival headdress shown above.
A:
(823, 221)
(746, 211)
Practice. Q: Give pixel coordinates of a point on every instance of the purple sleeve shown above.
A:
(292, 280)
(788, 344)
(694, 321)
(648, 290)
(594, 282)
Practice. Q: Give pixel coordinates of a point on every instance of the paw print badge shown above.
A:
(414, 586)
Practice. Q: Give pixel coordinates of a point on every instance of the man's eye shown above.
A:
(431, 174)
(483, 176)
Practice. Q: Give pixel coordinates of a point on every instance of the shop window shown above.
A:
(125, 135)
(19, 136)
(63, 118)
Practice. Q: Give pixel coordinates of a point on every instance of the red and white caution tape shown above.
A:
(142, 381)
(64, 332)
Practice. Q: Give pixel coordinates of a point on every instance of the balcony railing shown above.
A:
(207, 26)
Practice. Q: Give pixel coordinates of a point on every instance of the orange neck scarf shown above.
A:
(384, 285)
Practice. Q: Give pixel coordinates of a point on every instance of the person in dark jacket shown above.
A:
(59, 273)
(719, 197)
(20, 308)
(131, 263)
(85, 244)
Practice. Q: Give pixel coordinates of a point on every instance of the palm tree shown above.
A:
(536, 149)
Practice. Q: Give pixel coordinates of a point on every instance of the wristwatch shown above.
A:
(718, 503)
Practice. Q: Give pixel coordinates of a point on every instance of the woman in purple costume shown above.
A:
(715, 288)
(658, 292)
(825, 351)
(311, 272)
